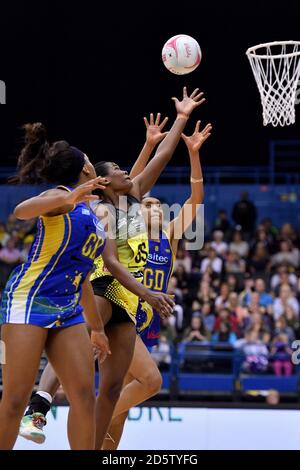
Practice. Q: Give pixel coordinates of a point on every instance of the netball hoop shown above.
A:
(276, 68)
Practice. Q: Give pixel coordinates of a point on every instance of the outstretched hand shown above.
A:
(188, 103)
(83, 192)
(197, 139)
(154, 133)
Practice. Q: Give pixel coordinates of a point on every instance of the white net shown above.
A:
(276, 68)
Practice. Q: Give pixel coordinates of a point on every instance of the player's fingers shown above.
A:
(184, 92)
(102, 356)
(157, 119)
(163, 123)
(146, 122)
(194, 93)
(151, 119)
(197, 97)
(197, 127)
(207, 129)
(197, 103)
(175, 99)
(163, 135)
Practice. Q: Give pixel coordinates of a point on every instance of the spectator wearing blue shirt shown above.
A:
(265, 299)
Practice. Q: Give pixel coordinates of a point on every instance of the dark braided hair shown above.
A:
(40, 162)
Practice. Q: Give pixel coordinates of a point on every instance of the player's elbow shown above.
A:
(21, 213)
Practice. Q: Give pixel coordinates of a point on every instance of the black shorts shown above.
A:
(100, 287)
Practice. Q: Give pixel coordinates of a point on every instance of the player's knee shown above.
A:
(112, 390)
(84, 396)
(15, 405)
(153, 381)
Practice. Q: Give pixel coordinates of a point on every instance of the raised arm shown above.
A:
(148, 177)
(188, 212)
(154, 135)
(57, 201)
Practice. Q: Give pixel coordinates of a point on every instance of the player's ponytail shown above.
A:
(40, 162)
(33, 156)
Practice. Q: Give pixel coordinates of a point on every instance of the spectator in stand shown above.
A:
(238, 311)
(184, 259)
(287, 232)
(206, 292)
(225, 315)
(218, 243)
(259, 323)
(234, 264)
(10, 254)
(224, 335)
(255, 351)
(168, 330)
(264, 298)
(244, 214)
(222, 299)
(196, 331)
(282, 355)
(208, 317)
(232, 282)
(173, 289)
(248, 288)
(261, 237)
(238, 245)
(222, 223)
(212, 262)
(12, 223)
(182, 278)
(281, 327)
(161, 354)
(270, 229)
(10, 257)
(283, 276)
(292, 319)
(259, 263)
(4, 236)
(286, 299)
(287, 255)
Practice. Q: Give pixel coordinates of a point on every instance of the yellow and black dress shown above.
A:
(132, 244)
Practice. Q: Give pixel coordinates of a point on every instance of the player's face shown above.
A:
(119, 179)
(152, 213)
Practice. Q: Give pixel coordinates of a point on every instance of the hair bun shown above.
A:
(35, 132)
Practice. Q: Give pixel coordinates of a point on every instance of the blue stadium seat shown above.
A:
(206, 382)
(266, 382)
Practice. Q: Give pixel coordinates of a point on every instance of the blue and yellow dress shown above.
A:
(132, 245)
(157, 273)
(45, 291)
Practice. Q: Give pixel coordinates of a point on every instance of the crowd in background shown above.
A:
(242, 288)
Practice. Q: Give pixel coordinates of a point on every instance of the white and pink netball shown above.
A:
(181, 54)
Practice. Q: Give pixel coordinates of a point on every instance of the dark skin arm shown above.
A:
(57, 201)
(94, 320)
(143, 182)
(154, 135)
(188, 212)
